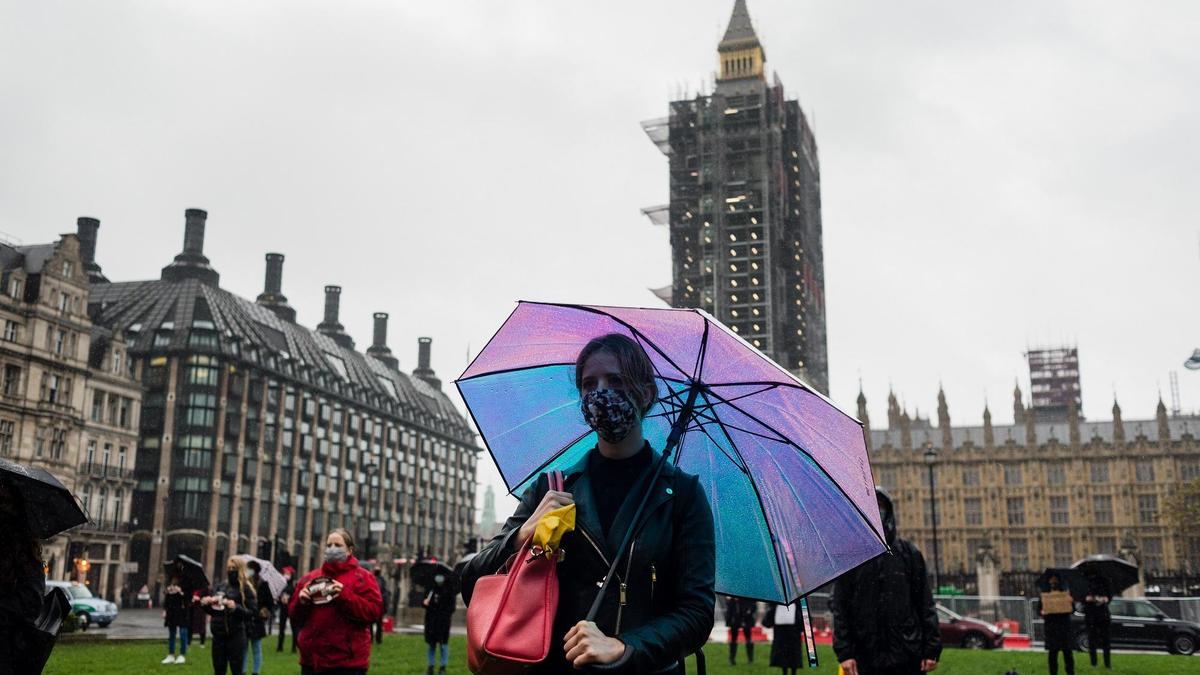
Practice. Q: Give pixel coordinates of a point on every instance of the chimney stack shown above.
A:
(191, 263)
(379, 348)
(272, 296)
(330, 326)
(86, 229)
(423, 370)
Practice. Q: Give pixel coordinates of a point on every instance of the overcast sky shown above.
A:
(994, 174)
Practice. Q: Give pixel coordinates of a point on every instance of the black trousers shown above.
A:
(1098, 639)
(283, 626)
(733, 643)
(1068, 661)
(228, 652)
(378, 630)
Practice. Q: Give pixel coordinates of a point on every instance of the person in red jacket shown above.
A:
(333, 610)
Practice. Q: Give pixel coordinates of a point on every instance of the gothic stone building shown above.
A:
(258, 435)
(1039, 494)
(745, 209)
(69, 401)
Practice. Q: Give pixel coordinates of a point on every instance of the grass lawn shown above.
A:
(406, 654)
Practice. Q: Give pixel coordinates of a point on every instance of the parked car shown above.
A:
(1139, 624)
(967, 632)
(87, 607)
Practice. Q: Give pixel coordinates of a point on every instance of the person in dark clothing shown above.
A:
(383, 592)
(439, 607)
(232, 606)
(740, 616)
(788, 652)
(1097, 617)
(884, 620)
(257, 628)
(198, 627)
(22, 579)
(284, 599)
(176, 617)
(659, 608)
(1057, 628)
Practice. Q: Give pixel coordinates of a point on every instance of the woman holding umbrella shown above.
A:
(660, 605)
(21, 577)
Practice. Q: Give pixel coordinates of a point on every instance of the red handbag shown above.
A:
(511, 615)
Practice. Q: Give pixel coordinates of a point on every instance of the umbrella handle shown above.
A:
(685, 416)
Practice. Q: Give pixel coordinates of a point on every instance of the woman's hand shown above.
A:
(305, 596)
(229, 604)
(585, 644)
(550, 501)
(335, 589)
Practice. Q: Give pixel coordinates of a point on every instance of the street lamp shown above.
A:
(371, 468)
(931, 459)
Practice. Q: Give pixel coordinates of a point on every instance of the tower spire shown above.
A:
(741, 54)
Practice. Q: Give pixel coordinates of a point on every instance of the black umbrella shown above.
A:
(1118, 572)
(49, 505)
(424, 571)
(1068, 580)
(190, 572)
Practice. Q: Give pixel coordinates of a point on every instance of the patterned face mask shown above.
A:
(610, 413)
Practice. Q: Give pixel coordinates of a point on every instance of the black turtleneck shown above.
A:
(612, 479)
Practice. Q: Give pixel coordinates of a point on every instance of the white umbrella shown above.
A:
(269, 574)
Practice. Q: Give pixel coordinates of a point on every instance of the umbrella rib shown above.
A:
(515, 369)
(714, 420)
(703, 350)
(788, 441)
(548, 462)
(636, 333)
(741, 465)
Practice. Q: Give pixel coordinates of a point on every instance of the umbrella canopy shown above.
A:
(189, 571)
(1068, 580)
(786, 471)
(1118, 572)
(424, 571)
(49, 505)
(267, 573)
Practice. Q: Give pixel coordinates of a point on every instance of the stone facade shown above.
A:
(1039, 494)
(69, 403)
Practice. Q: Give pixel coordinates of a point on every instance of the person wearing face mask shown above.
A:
(333, 610)
(22, 580)
(660, 607)
(884, 620)
(439, 607)
(1057, 629)
(232, 606)
(257, 628)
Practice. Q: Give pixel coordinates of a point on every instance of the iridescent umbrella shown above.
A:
(786, 471)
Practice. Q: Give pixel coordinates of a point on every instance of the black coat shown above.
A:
(20, 603)
(669, 577)
(1096, 613)
(740, 612)
(883, 612)
(176, 606)
(437, 615)
(232, 623)
(257, 628)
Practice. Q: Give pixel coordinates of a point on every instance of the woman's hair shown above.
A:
(26, 551)
(346, 537)
(636, 368)
(244, 584)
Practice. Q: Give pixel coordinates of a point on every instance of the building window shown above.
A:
(121, 454)
(1056, 474)
(973, 510)
(1100, 472)
(7, 431)
(15, 287)
(970, 476)
(1102, 511)
(87, 499)
(887, 478)
(68, 268)
(60, 341)
(91, 453)
(102, 505)
(1152, 550)
(1148, 509)
(202, 376)
(1060, 513)
(97, 406)
(927, 502)
(118, 508)
(1018, 551)
(1062, 552)
(39, 442)
(12, 379)
(1189, 470)
(58, 442)
(1107, 545)
(106, 456)
(1143, 470)
(1012, 474)
(12, 331)
(64, 302)
(123, 407)
(1016, 511)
